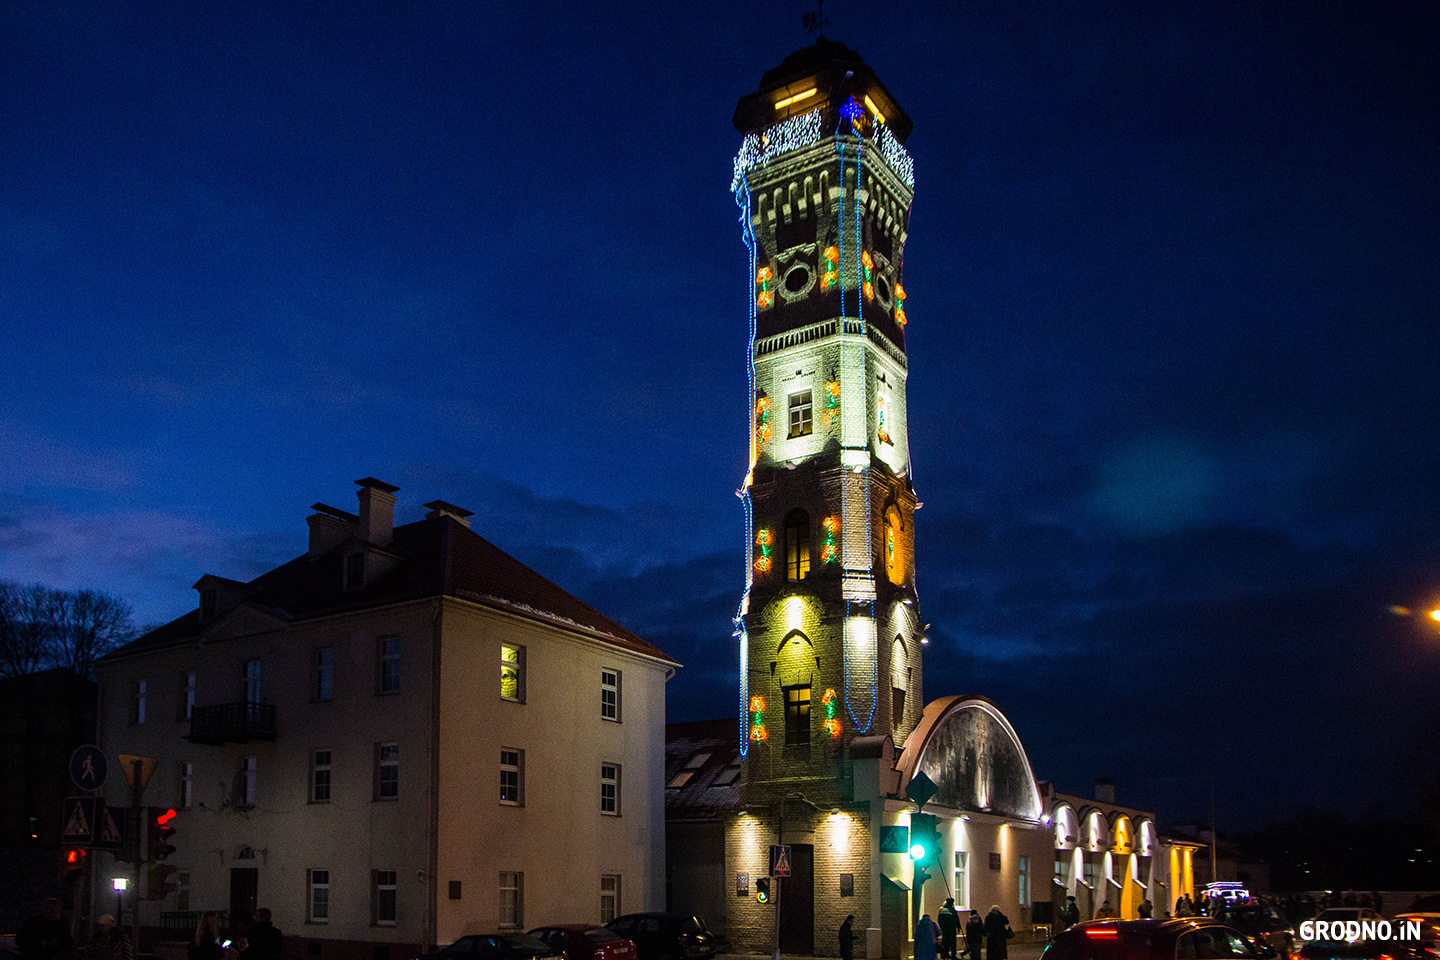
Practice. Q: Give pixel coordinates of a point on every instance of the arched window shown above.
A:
(797, 545)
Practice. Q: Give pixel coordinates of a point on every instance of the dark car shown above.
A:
(585, 941)
(495, 946)
(1183, 938)
(1263, 921)
(1428, 946)
(666, 936)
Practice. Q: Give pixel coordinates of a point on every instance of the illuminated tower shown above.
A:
(829, 626)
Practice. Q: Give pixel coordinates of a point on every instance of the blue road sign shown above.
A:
(88, 767)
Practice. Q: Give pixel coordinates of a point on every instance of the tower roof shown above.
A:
(834, 71)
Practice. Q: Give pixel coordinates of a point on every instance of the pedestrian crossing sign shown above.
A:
(79, 820)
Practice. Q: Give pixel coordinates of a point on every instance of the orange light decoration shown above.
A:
(829, 552)
(900, 317)
(764, 538)
(832, 268)
(762, 420)
(765, 297)
(757, 719)
(832, 401)
(832, 726)
(865, 274)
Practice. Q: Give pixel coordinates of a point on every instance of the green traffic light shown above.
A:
(917, 851)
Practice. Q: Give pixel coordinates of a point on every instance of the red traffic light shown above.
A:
(165, 817)
(75, 855)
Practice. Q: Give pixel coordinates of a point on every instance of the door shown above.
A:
(244, 887)
(797, 901)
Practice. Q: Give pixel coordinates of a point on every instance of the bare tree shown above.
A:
(42, 628)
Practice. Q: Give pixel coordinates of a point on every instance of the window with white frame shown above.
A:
(252, 681)
(610, 789)
(322, 687)
(800, 414)
(389, 678)
(187, 786)
(1023, 871)
(187, 696)
(249, 776)
(320, 776)
(512, 898)
(512, 672)
(609, 897)
(317, 907)
(512, 776)
(609, 694)
(387, 771)
(137, 713)
(383, 896)
(962, 885)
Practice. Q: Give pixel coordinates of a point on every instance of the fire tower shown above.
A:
(829, 625)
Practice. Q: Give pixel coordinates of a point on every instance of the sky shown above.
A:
(1172, 274)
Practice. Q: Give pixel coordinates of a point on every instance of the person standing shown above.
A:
(262, 939)
(974, 935)
(949, 927)
(206, 945)
(1147, 909)
(847, 938)
(927, 938)
(109, 942)
(997, 931)
(1106, 912)
(1070, 913)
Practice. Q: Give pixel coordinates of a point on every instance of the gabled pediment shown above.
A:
(245, 620)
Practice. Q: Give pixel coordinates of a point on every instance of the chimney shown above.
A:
(1105, 790)
(439, 508)
(329, 527)
(377, 511)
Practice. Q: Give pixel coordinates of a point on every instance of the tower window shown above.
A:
(797, 544)
(897, 706)
(800, 418)
(797, 715)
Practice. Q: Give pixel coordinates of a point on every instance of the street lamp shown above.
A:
(120, 883)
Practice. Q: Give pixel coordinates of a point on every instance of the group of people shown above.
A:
(941, 939)
(46, 936)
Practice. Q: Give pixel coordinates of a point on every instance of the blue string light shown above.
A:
(747, 232)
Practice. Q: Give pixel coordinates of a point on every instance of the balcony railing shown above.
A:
(232, 723)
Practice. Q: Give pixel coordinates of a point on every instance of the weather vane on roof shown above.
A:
(816, 20)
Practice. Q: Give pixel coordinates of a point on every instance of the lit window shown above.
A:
(609, 898)
(610, 789)
(383, 896)
(1024, 872)
(323, 688)
(797, 545)
(187, 696)
(610, 694)
(962, 888)
(800, 414)
(320, 776)
(252, 681)
(187, 786)
(692, 767)
(317, 909)
(389, 680)
(512, 672)
(512, 899)
(512, 776)
(387, 771)
(137, 715)
(797, 715)
(249, 777)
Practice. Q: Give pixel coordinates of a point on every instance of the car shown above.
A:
(494, 946)
(585, 941)
(666, 936)
(1332, 947)
(1428, 946)
(1181, 938)
(1262, 921)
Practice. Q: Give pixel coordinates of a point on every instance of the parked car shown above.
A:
(1182, 938)
(666, 936)
(494, 946)
(585, 941)
(1263, 921)
(1428, 946)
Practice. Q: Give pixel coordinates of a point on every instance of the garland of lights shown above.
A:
(832, 402)
(764, 296)
(832, 264)
(757, 719)
(883, 434)
(829, 552)
(900, 317)
(763, 433)
(895, 156)
(867, 266)
(764, 539)
(832, 726)
(790, 134)
(747, 233)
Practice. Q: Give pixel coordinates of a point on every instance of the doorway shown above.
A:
(797, 901)
(244, 888)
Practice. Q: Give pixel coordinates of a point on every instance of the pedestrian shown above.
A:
(45, 936)
(997, 931)
(1147, 909)
(927, 938)
(974, 935)
(262, 939)
(109, 942)
(847, 939)
(1106, 912)
(949, 927)
(206, 943)
(1070, 913)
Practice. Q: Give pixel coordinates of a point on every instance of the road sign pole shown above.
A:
(137, 790)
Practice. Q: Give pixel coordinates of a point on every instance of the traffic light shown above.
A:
(924, 839)
(762, 889)
(72, 865)
(162, 881)
(161, 833)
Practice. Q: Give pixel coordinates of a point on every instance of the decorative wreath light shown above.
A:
(829, 552)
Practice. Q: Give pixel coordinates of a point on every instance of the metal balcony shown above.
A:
(238, 722)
